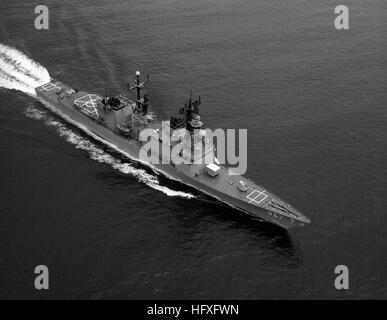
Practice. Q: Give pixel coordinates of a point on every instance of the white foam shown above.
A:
(19, 72)
(98, 154)
(34, 113)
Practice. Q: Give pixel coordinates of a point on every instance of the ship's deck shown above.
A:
(88, 103)
(229, 184)
(255, 195)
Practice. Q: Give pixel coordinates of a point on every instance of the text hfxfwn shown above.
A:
(195, 309)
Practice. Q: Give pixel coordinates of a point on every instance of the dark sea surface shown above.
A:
(314, 102)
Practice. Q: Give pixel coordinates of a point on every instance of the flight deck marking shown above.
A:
(257, 194)
(88, 103)
(49, 86)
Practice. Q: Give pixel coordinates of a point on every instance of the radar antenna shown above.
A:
(142, 102)
(138, 84)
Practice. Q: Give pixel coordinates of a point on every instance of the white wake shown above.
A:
(98, 154)
(19, 72)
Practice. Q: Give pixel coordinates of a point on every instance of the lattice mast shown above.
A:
(141, 102)
(193, 122)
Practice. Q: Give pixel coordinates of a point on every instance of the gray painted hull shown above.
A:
(182, 173)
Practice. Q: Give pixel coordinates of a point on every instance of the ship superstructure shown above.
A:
(119, 121)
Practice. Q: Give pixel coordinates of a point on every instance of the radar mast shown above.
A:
(141, 102)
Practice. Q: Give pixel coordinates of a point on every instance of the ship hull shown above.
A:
(130, 148)
(257, 212)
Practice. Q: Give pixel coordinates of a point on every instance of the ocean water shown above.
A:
(312, 98)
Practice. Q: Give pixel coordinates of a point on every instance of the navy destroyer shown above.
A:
(119, 121)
